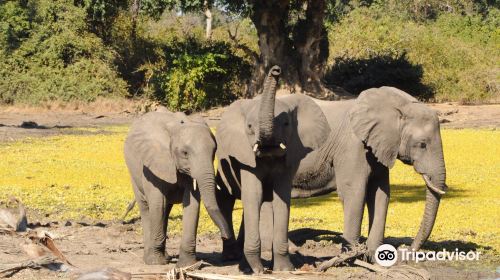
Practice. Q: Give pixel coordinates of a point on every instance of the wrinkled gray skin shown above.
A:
(368, 135)
(260, 144)
(164, 152)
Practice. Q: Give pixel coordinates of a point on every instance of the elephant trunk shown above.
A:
(266, 111)
(206, 183)
(435, 188)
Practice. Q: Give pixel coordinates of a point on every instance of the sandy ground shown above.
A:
(93, 246)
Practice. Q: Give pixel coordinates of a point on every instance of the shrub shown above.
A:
(454, 58)
(58, 59)
(198, 74)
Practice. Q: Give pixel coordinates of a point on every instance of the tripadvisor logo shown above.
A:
(387, 255)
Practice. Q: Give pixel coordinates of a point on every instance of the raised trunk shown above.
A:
(206, 183)
(302, 58)
(266, 110)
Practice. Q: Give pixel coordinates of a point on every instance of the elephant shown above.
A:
(367, 135)
(170, 160)
(260, 144)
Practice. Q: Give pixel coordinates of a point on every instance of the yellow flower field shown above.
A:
(84, 176)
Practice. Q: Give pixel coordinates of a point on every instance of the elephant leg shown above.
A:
(231, 249)
(353, 191)
(156, 225)
(190, 217)
(281, 215)
(167, 214)
(377, 200)
(251, 196)
(144, 211)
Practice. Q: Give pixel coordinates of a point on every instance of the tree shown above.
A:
(291, 34)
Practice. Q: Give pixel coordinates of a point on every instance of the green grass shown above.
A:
(84, 176)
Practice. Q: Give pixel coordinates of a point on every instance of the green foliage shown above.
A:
(81, 49)
(198, 75)
(58, 59)
(454, 57)
(14, 25)
(100, 14)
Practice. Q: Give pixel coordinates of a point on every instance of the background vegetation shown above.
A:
(85, 177)
(82, 49)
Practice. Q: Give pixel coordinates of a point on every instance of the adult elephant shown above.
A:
(260, 144)
(367, 135)
(168, 155)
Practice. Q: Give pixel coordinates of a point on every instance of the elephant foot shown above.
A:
(253, 263)
(282, 263)
(231, 251)
(186, 259)
(156, 258)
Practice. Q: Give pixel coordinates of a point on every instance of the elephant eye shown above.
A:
(286, 124)
(423, 145)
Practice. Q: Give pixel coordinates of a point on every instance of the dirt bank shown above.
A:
(18, 123)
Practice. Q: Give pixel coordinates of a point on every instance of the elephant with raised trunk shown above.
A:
(367, 135)
(260, 144)
(170, 160)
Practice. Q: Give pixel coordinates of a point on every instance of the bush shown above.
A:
(53, 56)
(198, 75)
(454, 58)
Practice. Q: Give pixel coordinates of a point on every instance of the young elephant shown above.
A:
(168, 155)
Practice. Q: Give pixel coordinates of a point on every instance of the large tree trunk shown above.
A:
(270, 17)
(311, 44)
(302, 56)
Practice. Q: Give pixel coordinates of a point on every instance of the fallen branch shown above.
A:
(36, 263)
(356, 251)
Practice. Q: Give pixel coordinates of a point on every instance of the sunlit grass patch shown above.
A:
(84, 176)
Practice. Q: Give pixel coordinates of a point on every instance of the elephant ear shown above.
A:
(376, 120)
(150, 137)
(231, 137)
(312, 127)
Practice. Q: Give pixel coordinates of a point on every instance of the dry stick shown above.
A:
(36, 263)
(357, 251)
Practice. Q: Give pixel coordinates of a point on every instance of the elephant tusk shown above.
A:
(255, 147)
(194, 184)
(431, 186)
(282, 146)
(218, 187)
